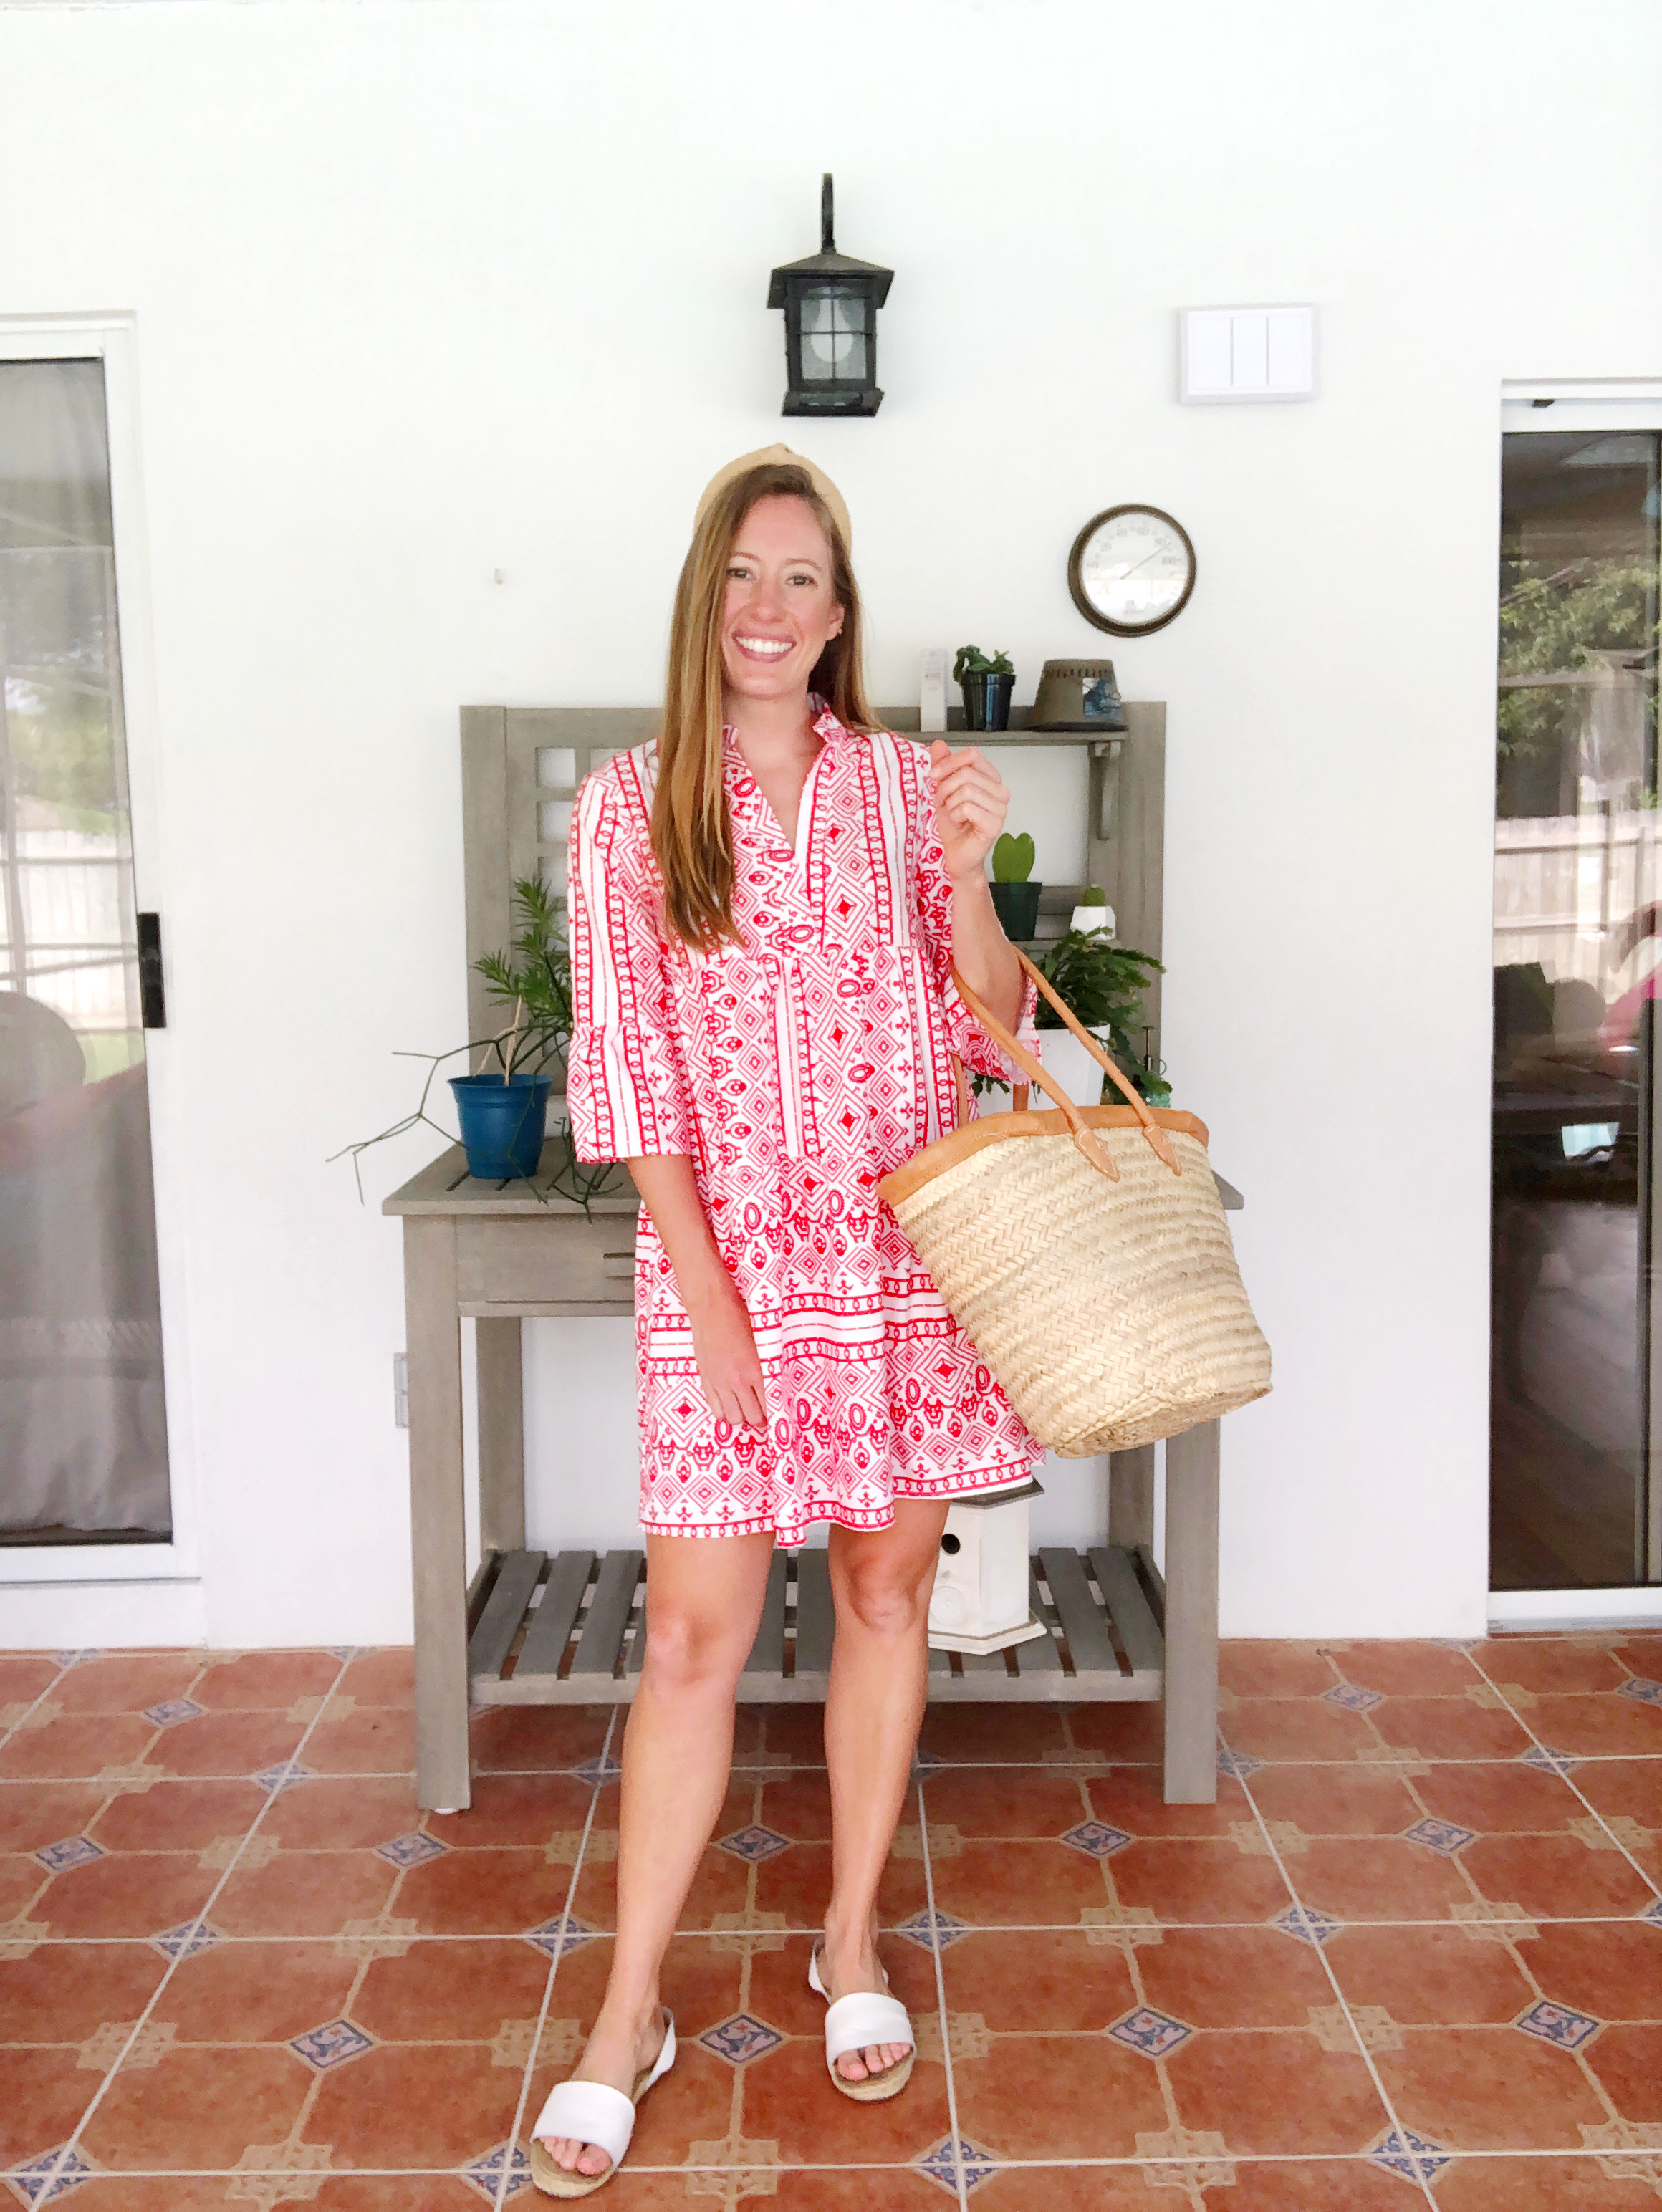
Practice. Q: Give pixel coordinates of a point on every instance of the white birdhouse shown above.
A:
(980, 1598)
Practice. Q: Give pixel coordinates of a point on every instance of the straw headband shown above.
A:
(780, 457)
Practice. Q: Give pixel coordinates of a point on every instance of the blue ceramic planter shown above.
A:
(502, 1124)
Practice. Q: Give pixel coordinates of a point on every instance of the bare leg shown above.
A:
(704, 1602)
(882, 1580)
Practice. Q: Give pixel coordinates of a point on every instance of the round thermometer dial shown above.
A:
(1131, 570)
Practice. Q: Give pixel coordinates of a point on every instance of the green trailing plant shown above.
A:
(532, 979)
(1012, 858)
(1102, 985)
(972, 661)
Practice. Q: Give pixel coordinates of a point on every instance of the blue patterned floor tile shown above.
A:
(741, 2039)
(941, 2166)
(933, 1931)
(1353, 1697)
(411, 1848)
(753, 1844)
(485, 2174)
(171, 1711)
(332, 2044)
(287, 1774)
(1643, 1693)
(1239, 1765)
(1444, 1835)
(1313, 1928)
(50, 2177)
(1653, 1912)
(555, 1937)
(1547, 1760)
(186, 1940)
(1097, 1839)
(73, 1851)
(1401, 2151)
(77, 1658)
(1153, 2033)
(1558, 2024)
(602, 1768)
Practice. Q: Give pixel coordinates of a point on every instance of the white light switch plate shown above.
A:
(1235, 356)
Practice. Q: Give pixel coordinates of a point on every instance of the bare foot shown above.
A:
(850, 1968)
(617, 2054)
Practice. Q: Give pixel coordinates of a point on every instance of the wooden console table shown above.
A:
(571, 1629)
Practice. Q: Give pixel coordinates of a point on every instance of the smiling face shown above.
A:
(780, 609)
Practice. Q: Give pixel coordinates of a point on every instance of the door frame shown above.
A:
(1593, 404)
(112, 339)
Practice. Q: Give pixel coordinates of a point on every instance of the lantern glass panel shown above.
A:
(833, 335)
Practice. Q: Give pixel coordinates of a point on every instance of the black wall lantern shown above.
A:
(831, 305)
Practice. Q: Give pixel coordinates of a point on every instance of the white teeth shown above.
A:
(773, 646)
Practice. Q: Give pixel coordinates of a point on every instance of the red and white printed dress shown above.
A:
(797, 1068)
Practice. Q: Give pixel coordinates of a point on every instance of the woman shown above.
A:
(765, 909)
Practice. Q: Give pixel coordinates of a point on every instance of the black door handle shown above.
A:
(152, 996)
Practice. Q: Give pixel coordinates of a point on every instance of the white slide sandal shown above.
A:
(856, 2022)
(588, 2111)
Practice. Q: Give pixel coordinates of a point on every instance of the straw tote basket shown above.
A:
(1085, 1254)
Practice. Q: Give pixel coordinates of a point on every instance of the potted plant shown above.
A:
(1102, 986)
(1093, 912)
(502, 1108)
(987, 681)
(1016, 900)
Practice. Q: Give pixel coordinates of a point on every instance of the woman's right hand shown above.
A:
(729, 1366)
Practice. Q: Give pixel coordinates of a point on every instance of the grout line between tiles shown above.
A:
(940, 1999)
(1130, 2161)
(1299, 1905)
(1570, 1778)
(184, 1947)
(971, 1927)
(1082, 1763)
(7, 1735)
(506, 2174)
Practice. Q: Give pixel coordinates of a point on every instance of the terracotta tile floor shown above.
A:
(1412, 1955)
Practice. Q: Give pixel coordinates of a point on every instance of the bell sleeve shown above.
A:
(935, 898)
(626, 1087)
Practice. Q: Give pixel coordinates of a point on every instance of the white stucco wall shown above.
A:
(426, 292)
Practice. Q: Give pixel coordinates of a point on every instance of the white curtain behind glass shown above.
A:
(83, 1447)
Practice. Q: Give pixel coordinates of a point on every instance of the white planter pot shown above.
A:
(1080, 1074)
(1090, 918)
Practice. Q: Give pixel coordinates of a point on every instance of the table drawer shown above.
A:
(561, 1260)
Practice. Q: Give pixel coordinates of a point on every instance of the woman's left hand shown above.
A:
(971, 802)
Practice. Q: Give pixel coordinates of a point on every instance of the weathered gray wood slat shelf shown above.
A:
(571, 1630)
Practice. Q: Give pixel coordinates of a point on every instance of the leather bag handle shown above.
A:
(1159, 1143)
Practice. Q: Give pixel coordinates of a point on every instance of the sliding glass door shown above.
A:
(1576, 1413)
(83, 1437)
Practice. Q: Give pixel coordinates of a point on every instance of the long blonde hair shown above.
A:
(691, 833)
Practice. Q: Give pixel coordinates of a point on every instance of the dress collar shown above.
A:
(829, 731)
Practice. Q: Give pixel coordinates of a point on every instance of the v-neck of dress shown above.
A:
(797, 847)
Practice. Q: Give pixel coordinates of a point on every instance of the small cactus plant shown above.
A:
(972, 661)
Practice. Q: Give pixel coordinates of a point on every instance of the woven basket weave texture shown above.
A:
(1113, 1313)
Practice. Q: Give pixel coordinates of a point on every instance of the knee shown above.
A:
(687, 1655)
(883, 1603)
